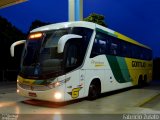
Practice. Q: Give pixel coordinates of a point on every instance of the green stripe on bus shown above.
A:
(42, 82)
(124, 68)
(39, 82)
(105, 32)
(115, 67)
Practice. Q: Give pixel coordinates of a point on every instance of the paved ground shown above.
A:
(132, 100)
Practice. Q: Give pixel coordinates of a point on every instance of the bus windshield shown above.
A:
(41, 59)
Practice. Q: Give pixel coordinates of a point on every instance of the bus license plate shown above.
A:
(32, 94)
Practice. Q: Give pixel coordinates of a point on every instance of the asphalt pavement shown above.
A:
(113, 105)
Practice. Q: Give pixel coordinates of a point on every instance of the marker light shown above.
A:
(55, 84)
(35, 35)
(17, 90)
(57, 95)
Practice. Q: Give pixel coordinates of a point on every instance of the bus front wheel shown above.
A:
(94, 91)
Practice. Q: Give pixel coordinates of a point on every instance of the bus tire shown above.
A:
(140, 82)
(94, 90)
(146, 80)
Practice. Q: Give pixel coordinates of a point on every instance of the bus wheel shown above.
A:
(145, 80)
(140, 82)
(94, 91)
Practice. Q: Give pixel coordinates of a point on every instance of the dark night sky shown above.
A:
(138, 19)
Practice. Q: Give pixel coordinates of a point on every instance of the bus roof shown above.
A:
(65, 25)
(91, 26)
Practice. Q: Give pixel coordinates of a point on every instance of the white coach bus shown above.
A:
(71, 60)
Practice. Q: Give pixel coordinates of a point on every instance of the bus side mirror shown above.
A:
(62, 41)
(15, 44)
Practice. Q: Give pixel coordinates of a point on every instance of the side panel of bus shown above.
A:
(75, 84)
(114, 71)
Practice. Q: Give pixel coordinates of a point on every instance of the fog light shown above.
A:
(17, 90)
(57, 95)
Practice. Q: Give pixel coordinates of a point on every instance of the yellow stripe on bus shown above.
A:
(25, 81)
(125, 38)
(139, 67)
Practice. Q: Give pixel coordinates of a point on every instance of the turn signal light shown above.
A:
(35, 35)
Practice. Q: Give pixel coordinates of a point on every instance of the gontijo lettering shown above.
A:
(138, 64)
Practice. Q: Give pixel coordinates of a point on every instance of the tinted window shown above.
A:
(114, 46)
(100, 45)
(109, 45)
(77, 48)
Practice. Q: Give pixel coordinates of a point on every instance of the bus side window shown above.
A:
(72, 56)
(114, 46)
(113, 49)
(148, 54)
(102, 46)
(95, 49)
(99, 45)
(129, 50)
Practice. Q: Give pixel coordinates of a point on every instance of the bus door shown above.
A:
(74, 75)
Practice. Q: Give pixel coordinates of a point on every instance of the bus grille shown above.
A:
(34, 88)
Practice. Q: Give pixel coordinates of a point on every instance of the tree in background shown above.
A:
(8, 35)
(36, 24)
(96, 18)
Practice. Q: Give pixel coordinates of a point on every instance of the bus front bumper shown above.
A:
(53, 95)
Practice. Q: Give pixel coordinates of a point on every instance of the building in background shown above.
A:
(7, 3)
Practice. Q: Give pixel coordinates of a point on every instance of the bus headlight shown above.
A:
(55, 84)
(57, 95)
(17, 90)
